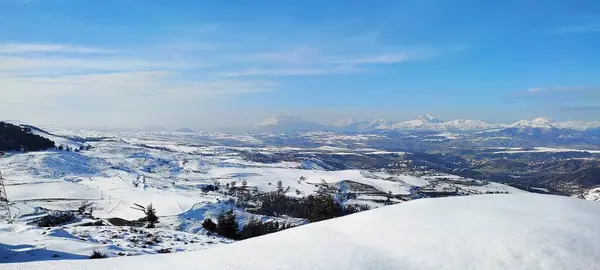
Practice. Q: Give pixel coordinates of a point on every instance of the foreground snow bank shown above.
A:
(521, 231)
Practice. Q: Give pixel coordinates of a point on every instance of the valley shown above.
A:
(189, 177)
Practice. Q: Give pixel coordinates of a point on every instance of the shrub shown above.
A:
(97, 254)
(56, 218)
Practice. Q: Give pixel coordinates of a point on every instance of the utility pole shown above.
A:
(4, 205)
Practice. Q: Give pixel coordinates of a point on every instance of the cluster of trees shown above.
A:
(207, 188)
(67, 148)
(15, 138)
(227, 226)
(313, 207)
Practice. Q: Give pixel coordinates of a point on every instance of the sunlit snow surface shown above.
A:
(522, 231)
(168, 170)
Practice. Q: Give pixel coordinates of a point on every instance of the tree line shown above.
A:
(313, 208)
(227, 226)
(16, 138)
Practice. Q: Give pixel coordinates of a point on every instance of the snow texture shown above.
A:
(522, 231)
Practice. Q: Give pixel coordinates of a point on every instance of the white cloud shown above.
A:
(536, 90)
(71, 83)
(30, 64)
(308, 60)
(308, 71)
(117, 99)
(295, 55)
(309, 55)
(166, 83)
(19, 48)
(588, 28)
(377, 59)
(135, 84)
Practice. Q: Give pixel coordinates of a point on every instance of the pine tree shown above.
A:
(228, 226)
(209, 225)
(151, 216)
(254, 228)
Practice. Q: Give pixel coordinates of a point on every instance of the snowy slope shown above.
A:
(547, 123)
(579, 125)
(478, 232)
(469, 125)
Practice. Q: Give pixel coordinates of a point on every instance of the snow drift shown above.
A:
(522, 231)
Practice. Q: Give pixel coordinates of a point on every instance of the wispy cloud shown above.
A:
(574, 29)
(19, 48)
(580, 108)
(293, 71)
(540, 90)
(555, 96)
(376, 59)
(58, 65)
(194, 46)
(295, 55)
(122, 88)
(172, 79)
(309, 60)
(77, 71)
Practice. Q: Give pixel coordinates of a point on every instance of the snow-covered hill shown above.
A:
(478, 232)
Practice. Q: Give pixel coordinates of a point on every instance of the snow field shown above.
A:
(523, 231)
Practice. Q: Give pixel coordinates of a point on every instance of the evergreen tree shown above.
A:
(228, 226)
(151, 216)
(209, 225)
(254, 228)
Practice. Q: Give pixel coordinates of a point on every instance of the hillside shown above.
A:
(477, 232)
(15, 138)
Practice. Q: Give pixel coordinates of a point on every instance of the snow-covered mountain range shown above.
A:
(425, 122)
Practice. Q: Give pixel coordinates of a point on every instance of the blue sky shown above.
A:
(208, 64)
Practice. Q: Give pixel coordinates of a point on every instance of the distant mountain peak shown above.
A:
(185, 130)
(288, 123)
(345, 122)
(540, 122)
(543, 121)
(278, 119)
(425, 122)
(428, 118)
